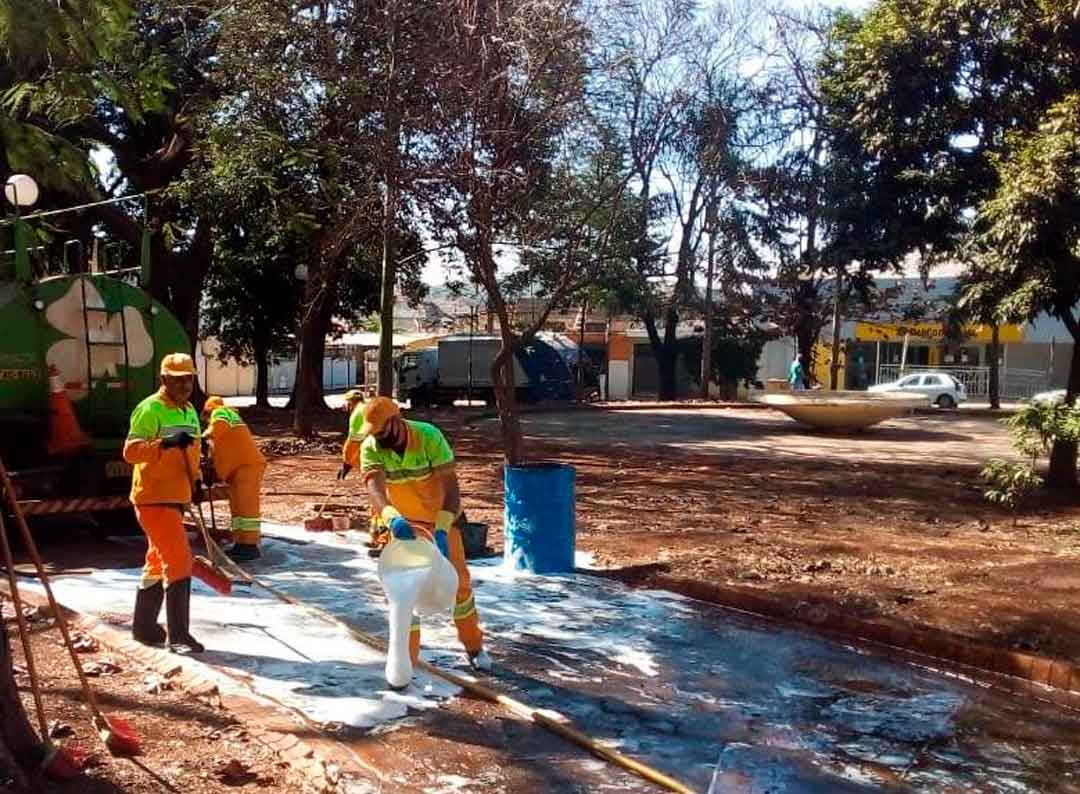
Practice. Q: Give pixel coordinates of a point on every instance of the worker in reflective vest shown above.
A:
(164, 431)
(237, 461)
(408, 468)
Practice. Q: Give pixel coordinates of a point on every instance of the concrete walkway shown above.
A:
(710, 696)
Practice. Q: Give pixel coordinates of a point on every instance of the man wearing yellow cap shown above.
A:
(408, 468)
(163, 446)
(238, 461)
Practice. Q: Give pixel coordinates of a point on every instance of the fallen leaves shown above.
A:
(236, 773)
(102, 667)
(84, 643)
(60, 730)
(155, 685)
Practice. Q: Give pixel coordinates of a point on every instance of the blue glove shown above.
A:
(442, 542)
(401, 529)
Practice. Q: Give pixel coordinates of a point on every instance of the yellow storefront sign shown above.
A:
(933, 332)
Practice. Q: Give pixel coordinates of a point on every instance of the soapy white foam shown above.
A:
(402, 588)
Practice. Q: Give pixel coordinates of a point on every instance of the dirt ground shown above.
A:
(188, 745)
(889, 525)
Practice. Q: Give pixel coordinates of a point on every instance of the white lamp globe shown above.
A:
(21, 190)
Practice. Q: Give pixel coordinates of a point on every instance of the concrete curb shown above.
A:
(1030, 675)
(321, 761)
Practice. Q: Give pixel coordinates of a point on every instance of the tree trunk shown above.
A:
(262, 376)
(1062, 472)
(834, 364)
(19, 745)
(995, 354)
(314, 326)
(706, 342)
(502, 377)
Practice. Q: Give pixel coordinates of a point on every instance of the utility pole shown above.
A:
(706, 341)
(834, 364)
(391, 151)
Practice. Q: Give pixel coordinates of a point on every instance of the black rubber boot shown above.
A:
(178, 613)
(144, 625)
(243, 552)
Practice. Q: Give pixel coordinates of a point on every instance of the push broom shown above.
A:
(117, 734)
(202, 567)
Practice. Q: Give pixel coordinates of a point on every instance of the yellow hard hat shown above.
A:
(212, 403)
(178, 365)
(377, 412)
(353, 396)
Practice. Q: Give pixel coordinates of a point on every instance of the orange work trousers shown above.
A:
(466, 618)
(168, 555)
(244, 486)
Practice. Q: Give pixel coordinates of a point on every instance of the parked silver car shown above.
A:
(940, 388)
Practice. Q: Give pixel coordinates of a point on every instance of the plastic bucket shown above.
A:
(437, 593)
(539, 517)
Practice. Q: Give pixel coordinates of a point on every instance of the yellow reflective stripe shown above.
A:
(465, 608)
(241, 522)
(408, 475)
(227, 415)
(415, 625)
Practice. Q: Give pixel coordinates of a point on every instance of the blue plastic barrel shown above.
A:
(539, 517)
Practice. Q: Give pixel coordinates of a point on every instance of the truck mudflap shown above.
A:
(41, 507)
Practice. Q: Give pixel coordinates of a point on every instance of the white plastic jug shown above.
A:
(415, 577)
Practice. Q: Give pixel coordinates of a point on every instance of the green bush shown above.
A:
(1033, 430)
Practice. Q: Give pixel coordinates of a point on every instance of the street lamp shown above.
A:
(21, 191)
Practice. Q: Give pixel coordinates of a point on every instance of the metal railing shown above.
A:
(1015, 384)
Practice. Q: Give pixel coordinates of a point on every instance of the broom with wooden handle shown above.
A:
(203, 568)
(115, 732)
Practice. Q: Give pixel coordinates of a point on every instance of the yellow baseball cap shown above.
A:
(377, 412)
(212, 403)
(177, 365)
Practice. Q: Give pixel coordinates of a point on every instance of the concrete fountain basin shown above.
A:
(842, 410)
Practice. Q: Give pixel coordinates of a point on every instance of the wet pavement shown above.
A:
(720, 700)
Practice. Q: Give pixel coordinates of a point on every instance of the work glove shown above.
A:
(399, 527)
(343, 472)
(181, 440)
(402, 529)
(442, 542)
(443, 521)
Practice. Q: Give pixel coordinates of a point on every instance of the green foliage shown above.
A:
(1010, 484)
(1035, 427)
(736, 349)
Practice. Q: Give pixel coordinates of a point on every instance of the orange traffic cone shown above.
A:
(65, 435)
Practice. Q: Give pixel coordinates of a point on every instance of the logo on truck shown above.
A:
(105, 332)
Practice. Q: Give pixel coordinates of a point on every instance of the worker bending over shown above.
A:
(408, 468)
(378, 532)
(237, 461)
(163, 446)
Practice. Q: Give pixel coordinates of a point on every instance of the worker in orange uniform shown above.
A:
(237, 461)
(408, 468)
(377, 530)
(164, 431)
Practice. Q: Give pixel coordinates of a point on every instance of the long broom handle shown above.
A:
(24, 634)
(61, 621)
(199, 515)
(561, 726)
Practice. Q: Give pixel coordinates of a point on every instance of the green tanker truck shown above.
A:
(100, 338)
